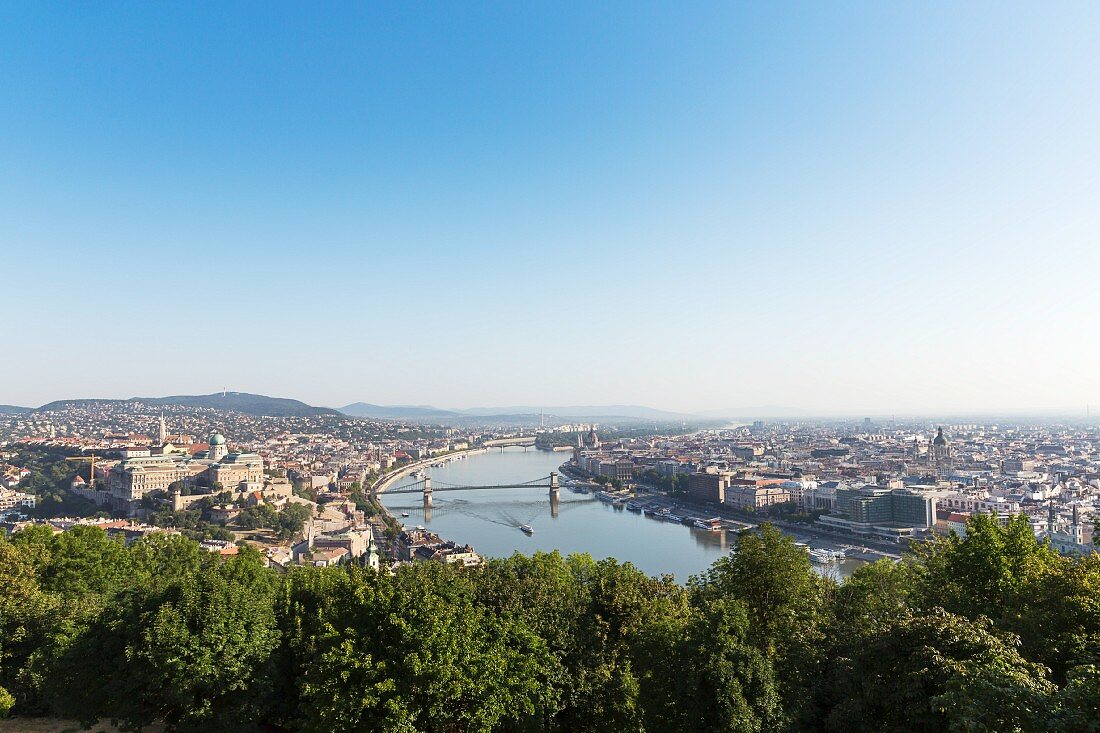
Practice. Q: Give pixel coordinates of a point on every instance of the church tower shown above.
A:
(162, 432)
(939, 455)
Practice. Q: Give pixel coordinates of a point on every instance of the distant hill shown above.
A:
(759, 412)
(636, 412)
(13, 410)
(524, 413)
(396, 412)
(249, 404)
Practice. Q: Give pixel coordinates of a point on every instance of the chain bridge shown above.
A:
(427, 487)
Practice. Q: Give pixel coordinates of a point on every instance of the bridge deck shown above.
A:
(418, 488)
(546, 482)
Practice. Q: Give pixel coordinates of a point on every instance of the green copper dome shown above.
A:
(217, 439)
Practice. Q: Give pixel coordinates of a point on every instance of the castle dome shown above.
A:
(217, 439)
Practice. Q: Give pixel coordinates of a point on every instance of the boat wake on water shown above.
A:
(511, 520)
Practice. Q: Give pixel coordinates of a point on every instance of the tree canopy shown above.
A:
(988, 632)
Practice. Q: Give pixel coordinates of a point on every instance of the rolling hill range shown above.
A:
(428, 413)
(635, 412)
(396, 412)
(249, 404)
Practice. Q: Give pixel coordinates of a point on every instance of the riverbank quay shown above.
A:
(857, 548)
(737, 521)
(568, 469)
(384, 482)
(379, 524)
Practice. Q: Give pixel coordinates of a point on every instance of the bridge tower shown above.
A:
(427, 492)
(554, 488)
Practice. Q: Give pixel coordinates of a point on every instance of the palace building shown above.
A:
(135, 477)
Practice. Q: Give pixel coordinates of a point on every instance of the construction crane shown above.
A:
(91, 469)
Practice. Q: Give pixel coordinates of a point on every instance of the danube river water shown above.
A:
(490, 519)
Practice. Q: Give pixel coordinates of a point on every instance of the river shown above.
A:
(490, 519)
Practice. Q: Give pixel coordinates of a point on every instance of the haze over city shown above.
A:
(864, 207)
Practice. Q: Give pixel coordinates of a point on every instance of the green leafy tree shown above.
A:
(84, 561)
(1005, 574)
(1078, 709)
(700, 672)
(306, 606)
(286, 522)
(876, 595)
(291, 520)
(937, 672)
(593, 616)
(785, 602)
(977, 575)
(24, 619)
(413, 652)
(159, 559)
(53, 587)
(7, 702)
(193, 655)
(261, 516)
(160, 631)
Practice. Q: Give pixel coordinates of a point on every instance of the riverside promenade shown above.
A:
(384, 482)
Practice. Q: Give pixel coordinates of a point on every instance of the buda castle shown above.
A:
(170, 467)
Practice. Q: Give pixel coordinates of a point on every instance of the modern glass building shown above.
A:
(877, 505)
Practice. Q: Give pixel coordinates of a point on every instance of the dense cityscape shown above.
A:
(131, 467)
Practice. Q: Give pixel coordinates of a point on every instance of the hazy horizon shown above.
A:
(845, 208)
(732, 411)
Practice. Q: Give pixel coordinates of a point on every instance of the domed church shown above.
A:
(936, 460)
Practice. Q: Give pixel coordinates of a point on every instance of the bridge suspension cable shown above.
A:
(541, 483)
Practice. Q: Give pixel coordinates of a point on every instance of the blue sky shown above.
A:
(835, 206)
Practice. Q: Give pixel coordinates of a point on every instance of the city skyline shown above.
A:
(843, 209)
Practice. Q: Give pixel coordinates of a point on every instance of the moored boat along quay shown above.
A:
(865, 550)
(652, 502)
